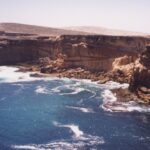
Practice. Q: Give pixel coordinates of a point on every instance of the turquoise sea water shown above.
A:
(66, 114)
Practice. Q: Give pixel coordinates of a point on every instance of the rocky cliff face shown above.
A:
(16, 48)
(95, 57)
(98, 52)
(140, 83)
(86, 51)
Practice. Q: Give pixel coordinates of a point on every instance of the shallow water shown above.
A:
(65, 114)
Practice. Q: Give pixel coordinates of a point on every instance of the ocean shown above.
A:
(67, 114)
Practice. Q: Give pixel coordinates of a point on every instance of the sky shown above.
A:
(132, 15)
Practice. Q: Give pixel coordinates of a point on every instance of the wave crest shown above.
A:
(82, 109)
(111, 104)
(80, 140)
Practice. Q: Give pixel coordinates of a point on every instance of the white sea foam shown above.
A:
(82, 109)
(73, 87)
(111, 104)
(26, 147)
(74, 128)
(63, 144)
(79, 140)
(112, 85)
(80, 137)
(56, 89)
(108, 96)
(41, 90)
(10, 75)
(75, 91)
(129, 107)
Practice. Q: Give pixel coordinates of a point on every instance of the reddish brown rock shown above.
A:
(96, 57)
(91, 52)
(140, 83)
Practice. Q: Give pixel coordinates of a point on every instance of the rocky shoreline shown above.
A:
(98, 58)
(122, 74)
(122, 95)
(137, 74)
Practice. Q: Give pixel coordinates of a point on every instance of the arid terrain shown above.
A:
(105, 31)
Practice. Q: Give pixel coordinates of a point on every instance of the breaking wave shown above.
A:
(66, 89)
(111, 104)
(73, 87)
(74, 128)
(41, 90)
(82, 109)
(11, 74)
(79, 140)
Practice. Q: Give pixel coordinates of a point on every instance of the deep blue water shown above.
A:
(66, 114)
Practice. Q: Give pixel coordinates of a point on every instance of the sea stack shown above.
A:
(140, 82)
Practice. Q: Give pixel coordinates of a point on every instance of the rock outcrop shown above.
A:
(91, 52)
(96, 57)
(123, 66)
(98, 52)
(140, 82)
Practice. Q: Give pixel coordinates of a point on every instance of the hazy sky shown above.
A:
(119, 14)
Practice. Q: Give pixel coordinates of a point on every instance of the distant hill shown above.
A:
(79, 30)
(32, 29)
(104, 31)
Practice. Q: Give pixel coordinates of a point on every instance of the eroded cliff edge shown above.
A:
(96, 57)
(92, 52)
(140, 81)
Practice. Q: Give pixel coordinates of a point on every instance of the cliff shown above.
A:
(92, 52)
(97, 52)
(96, 57)
(140, 82)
